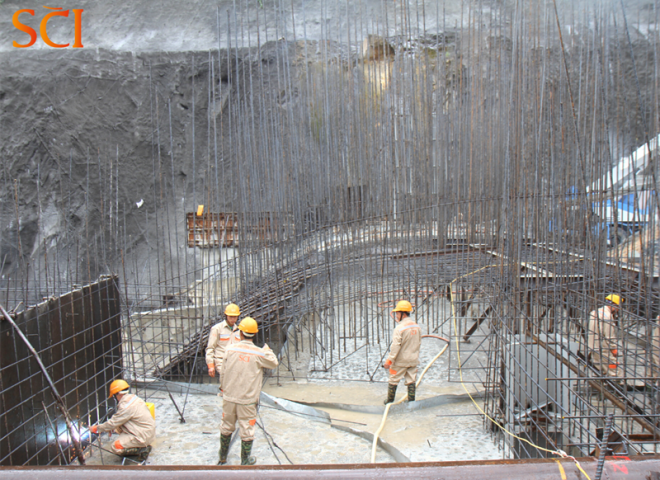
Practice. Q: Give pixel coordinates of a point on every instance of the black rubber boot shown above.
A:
(391, 393)
(246, 449)
(411, 392)
(224, 448)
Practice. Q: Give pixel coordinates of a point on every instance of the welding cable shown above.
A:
(267, 435)
(404, 397)
(270, 445)
(558, 452)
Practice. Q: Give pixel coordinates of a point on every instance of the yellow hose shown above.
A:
(387, 407)
(481, 410)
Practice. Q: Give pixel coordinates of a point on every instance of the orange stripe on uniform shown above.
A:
(392, 372)
(252, 422)
(118, 445)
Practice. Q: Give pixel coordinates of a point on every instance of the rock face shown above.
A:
(104, 151)
(376, 48)
(83, 157)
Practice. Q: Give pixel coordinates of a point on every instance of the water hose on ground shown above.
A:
(404, 397)
(557, 452)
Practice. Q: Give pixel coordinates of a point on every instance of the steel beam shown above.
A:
(617, 468)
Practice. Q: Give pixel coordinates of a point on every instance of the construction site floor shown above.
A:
(446, 432)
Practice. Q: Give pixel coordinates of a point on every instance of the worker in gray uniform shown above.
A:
(404, 353)
(242, 377)
(132, 421)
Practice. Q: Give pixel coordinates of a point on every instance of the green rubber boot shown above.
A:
(144, 454)
(411, 392)
(391, 393)
(246, 449)
(131, 452)
(224, 448)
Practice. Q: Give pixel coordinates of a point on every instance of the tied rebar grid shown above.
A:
(423, 153)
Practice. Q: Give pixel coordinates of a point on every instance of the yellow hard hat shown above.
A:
(117, 386)
(232, 310)
(248, 325)
(403, 306)
(614, 299)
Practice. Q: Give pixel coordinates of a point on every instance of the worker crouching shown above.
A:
(242, 376)
(404, 354)
(132, 421)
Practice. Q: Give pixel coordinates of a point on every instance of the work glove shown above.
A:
(387, 364)
(211, 370)
(94, 429)
(266, 347)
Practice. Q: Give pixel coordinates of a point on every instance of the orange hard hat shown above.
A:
(248, 325)
(118, 386)
(403, 306)
(232, 310)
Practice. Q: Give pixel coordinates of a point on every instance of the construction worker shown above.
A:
(222, 335)
(132, 421)
(242, 376)
(602, 336)
(404, 354)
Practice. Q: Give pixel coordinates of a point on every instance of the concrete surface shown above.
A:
(421, 435)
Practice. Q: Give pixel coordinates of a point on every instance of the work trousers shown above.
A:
(125, 441)
(397, 373)
(246, 416)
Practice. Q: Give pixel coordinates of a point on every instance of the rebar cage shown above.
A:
(475, 162)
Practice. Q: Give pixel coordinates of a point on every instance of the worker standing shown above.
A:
(132, 421)
(602, 336)
(222, 334)
(242, 376)
(404, 354)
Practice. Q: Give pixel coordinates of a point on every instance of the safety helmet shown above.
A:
(117, 386)
(403, 306)
(248, 326)
(232, 310)
(614, 299)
